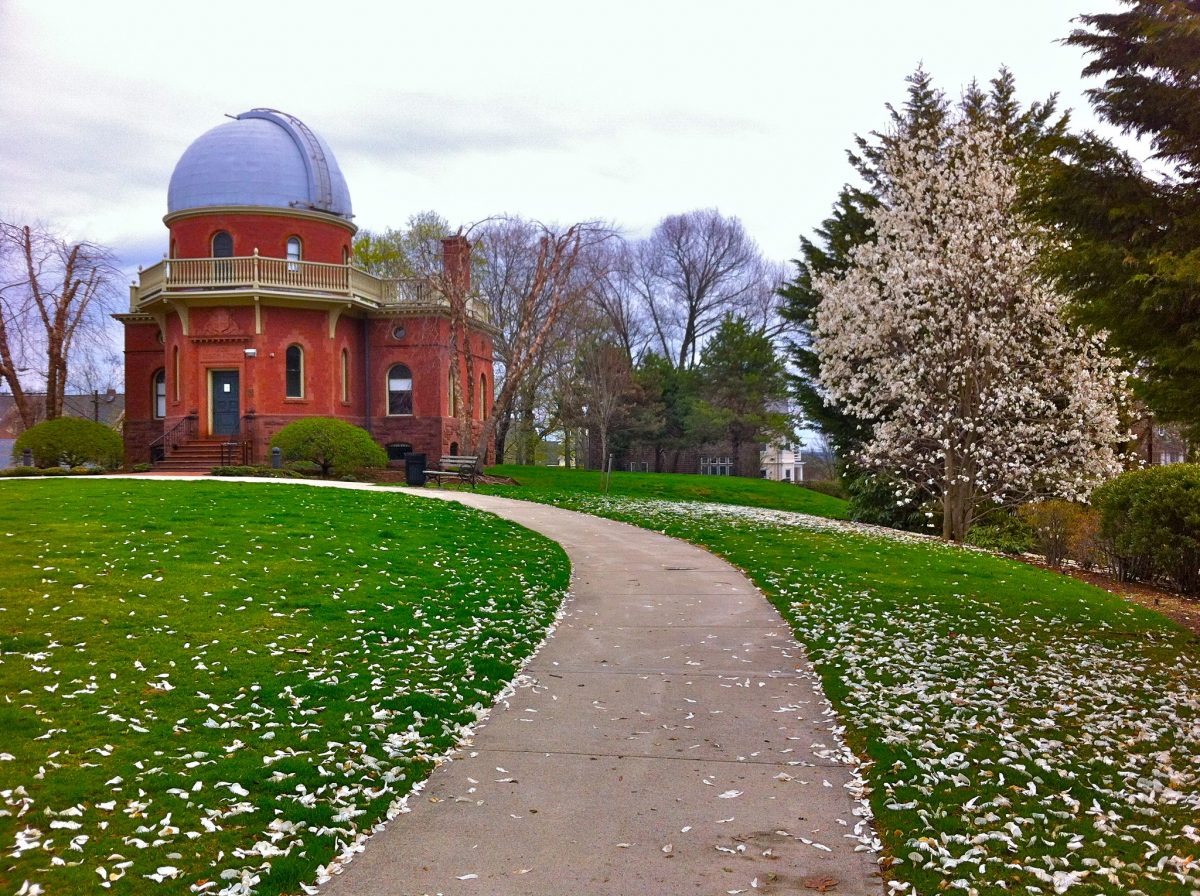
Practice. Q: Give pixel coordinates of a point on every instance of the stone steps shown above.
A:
(198, 456)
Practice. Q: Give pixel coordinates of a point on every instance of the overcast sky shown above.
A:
(562, 111)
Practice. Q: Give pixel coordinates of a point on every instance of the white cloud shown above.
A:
(620, 110)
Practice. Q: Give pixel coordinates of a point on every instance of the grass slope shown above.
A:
(215, 686)
(539, 482)
(1025, 732)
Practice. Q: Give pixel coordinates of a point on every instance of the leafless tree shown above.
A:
(604, 383)
(54, 299)
(623, 316)
(546, 278)
(694, 269)
(820, 462)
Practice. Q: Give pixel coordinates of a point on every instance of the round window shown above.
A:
(398, 333)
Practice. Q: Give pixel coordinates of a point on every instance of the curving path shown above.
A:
(674, 740)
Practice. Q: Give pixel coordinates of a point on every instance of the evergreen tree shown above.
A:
(1129, 254)
(744, 387)
(661, 415)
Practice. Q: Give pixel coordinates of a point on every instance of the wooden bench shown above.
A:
(458, 467)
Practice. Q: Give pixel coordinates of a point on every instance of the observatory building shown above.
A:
(257, 316)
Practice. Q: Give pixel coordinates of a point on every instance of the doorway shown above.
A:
(226, 403)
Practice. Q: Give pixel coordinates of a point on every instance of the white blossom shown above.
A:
(944, 334)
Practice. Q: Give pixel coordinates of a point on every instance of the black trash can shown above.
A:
(414, 469)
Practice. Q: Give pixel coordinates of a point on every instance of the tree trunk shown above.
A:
(502, 427)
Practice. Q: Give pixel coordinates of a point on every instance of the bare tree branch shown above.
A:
(54, 295)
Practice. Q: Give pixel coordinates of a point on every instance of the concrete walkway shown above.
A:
(673, 742)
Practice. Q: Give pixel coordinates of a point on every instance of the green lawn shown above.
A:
(1022, 732)
(210, 684)
(537, 482)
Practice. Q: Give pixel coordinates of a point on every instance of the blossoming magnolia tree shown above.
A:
(942, 331)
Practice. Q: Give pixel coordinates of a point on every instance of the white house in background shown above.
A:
(782, 463)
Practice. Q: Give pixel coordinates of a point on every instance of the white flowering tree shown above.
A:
(943, 332)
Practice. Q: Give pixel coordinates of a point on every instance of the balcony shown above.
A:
(178, 278)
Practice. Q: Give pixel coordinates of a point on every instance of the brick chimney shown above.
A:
(456, 261)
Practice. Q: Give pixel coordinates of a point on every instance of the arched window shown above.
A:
(293, 253)
(294, 372)
(175, 371)
(160, 394)
(222, 245)
(346, 374)
(483, 396)
(453, 392)
(345, 254)
(399, 391)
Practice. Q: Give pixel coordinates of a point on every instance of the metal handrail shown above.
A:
(185, 430)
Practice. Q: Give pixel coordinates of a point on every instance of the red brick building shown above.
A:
(257, 315)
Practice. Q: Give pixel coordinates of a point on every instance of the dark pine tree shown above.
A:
(1129, 253)
(744, 387)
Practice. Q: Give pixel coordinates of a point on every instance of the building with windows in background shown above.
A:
(782, 462)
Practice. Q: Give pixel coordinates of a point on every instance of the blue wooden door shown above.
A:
(226, 403)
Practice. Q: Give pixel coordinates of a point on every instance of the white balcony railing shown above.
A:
(184, 276)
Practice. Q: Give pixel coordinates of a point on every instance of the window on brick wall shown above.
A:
(294, 372)
(399, 391)
(293, 253)
(160, 394)
(716, 465)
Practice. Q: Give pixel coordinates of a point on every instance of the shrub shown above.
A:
(1053, 524)
(1003, 532)
(1087, 545)
(71, 442)
(333, 445)
(880, 500)
(1150, 524)
(21, 471)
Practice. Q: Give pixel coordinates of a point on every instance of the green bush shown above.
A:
(1002, 532)
(333, 445)
(71, 442)
(1150, 523)
(879, 499)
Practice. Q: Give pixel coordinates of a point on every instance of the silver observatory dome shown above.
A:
(263, 158)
